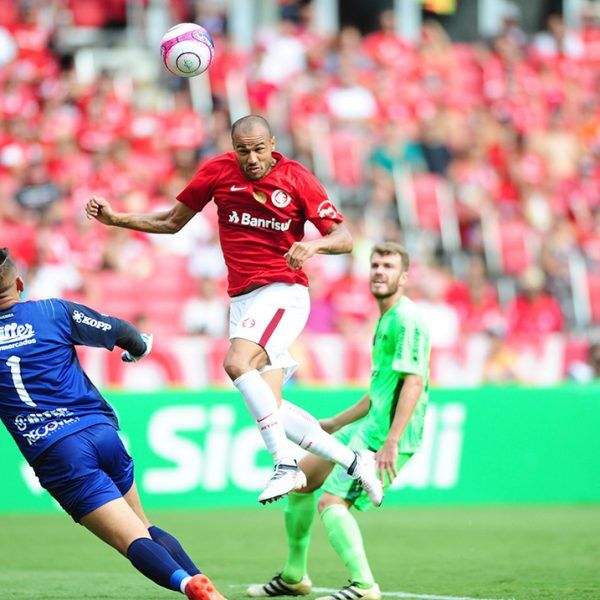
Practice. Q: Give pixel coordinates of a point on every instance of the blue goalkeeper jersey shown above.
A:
(44, 393)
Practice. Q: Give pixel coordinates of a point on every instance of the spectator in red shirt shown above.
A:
(385, 47)
(534, 312)
(353, 307)
(30, 34)
(475, 299)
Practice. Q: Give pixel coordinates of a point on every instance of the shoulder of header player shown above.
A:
(293, 166)
(298, 177)
(217, 164)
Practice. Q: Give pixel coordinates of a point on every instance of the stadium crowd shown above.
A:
(500, 138)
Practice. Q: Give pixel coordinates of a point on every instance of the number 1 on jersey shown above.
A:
(14, 362)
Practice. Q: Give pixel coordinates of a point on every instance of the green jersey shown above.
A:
(401, 347)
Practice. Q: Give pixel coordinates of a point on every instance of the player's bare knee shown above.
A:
(311, 486)
(327, 500)
(236, 364)
(241, 360)
(323, 504)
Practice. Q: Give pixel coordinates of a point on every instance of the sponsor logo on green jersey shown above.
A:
(401, 336)
(415, 348)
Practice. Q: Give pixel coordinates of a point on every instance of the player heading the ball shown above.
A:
(263, 201)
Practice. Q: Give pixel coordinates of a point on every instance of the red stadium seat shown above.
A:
(214, 364)
(164, 314)
(514, 248)
(89, 13)
(79, 297)
(576, 351)
(426, 188)
(348, 150)
(169, 277)
(123, 308)
(97, 13)
(20, 240)
(9, 12)
(120, 286)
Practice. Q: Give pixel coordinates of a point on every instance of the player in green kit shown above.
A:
(388, 420)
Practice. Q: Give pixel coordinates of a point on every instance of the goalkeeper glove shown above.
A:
(129, 358)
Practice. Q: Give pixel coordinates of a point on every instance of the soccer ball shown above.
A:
(187, 49)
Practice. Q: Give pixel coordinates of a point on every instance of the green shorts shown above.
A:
(339, 483)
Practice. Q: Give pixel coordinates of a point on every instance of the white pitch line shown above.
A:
(410, 595)
(321, 590)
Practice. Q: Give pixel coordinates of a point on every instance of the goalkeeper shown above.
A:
(68, 432)
(388, 420)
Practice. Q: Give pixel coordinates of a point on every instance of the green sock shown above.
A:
(346, 540)
(299, 517)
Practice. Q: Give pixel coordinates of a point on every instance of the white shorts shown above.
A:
(271, 316)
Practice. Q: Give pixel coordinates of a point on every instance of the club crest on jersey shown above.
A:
(326, 210)
(280, 199)
(248, 323)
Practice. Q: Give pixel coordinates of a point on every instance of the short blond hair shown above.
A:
(385, 248)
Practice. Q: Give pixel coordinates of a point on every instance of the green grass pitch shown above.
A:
(470, 552)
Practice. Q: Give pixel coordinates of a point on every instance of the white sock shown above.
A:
(262, 404)
(183, 584)
(303, 429)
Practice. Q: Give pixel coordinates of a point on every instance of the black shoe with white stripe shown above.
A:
(278, 587)
(352, 592)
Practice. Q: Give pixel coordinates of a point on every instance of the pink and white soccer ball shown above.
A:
(187, 49)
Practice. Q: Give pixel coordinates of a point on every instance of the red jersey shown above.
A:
(534, 318)
(260, 220)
